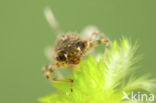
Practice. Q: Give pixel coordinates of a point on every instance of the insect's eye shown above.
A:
(81, 45)
(61, 57)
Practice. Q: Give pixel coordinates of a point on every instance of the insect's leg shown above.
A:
(97, 42)
(93, 36)
(96, 33)
(51, 68)
(45, 68)
(66, 80)
(51, 20)
(108, 43)
(88, 31)
(49, 52)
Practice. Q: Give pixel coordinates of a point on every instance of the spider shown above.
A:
(70, 48)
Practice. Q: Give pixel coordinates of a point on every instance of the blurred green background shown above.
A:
(24, 34)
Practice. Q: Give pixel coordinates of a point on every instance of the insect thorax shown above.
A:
(70, 48)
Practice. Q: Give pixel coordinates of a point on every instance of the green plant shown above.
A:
(103, 79)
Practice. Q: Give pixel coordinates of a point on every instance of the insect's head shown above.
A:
(73, 52)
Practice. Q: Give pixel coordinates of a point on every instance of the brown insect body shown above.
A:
(70, 49)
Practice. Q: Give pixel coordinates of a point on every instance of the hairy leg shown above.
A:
(97, 42)
(50, 69)
(49, 15)
(49, 52)
(96, 33)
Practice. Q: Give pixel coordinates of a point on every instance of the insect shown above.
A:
(70, 49)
